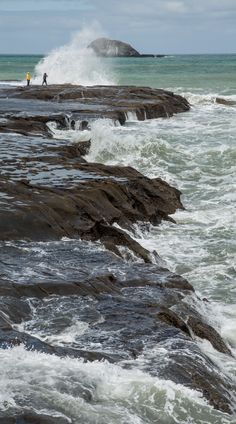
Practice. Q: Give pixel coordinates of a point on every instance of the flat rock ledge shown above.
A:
(27, 110)
(105, 196)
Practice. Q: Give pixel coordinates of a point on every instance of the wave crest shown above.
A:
(74, 63)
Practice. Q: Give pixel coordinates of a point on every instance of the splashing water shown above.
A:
(86, 391)
(74, 63)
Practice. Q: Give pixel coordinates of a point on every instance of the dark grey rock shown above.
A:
(106, 47)
(112, 48)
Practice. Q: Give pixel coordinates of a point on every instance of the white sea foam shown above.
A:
(73, 63)
(5, 84)
(96, 392)
(131, 116)
(68, 335)
(196, 153)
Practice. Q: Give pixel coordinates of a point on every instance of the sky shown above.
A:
(150, 26)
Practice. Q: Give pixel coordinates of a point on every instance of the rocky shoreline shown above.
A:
(26, 110)
(48, 192)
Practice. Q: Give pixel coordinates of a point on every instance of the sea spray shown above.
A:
(74, 63)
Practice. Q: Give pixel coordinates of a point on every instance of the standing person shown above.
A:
(28, 78)
(45, 79)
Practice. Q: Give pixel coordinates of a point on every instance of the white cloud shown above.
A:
(150, 25)
(176, 6)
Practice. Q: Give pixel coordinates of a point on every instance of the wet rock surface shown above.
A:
(205, 331)
(26, 110)
(74, 282)
(49, 191)
(225, 102)
(125, 314)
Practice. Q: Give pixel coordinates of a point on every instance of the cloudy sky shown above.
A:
(151, 26)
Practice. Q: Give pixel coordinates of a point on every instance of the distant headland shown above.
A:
(104, 47)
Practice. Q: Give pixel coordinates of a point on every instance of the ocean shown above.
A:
(193, 151)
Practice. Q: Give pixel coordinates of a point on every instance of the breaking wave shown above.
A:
(74, 63)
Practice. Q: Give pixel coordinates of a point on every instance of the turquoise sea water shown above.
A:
(202, 73)
(199, 72)
(14, 67)
(194, 151)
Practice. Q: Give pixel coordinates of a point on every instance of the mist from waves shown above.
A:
(74, 63)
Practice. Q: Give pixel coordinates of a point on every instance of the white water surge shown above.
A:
(73, 63)
(195, 152)
(96, 392)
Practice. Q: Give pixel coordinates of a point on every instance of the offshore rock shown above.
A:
(104, 47)
(112, 48)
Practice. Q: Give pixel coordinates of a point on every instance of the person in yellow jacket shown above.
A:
(28, 78)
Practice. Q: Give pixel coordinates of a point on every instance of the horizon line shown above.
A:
(123, 57)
